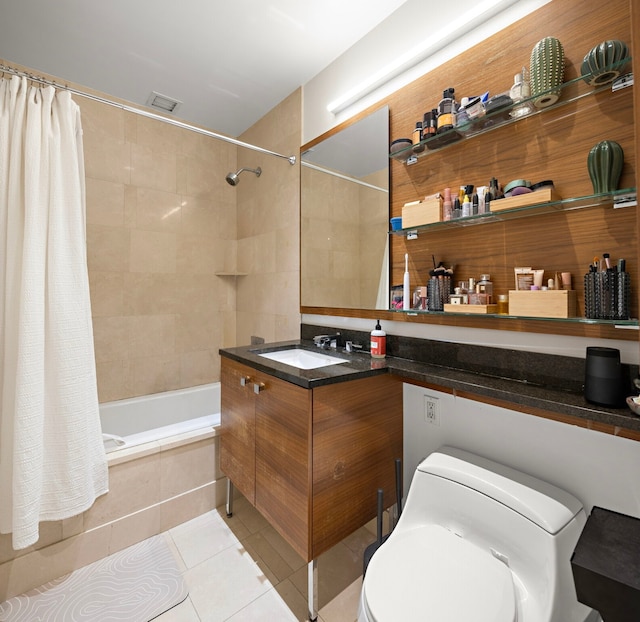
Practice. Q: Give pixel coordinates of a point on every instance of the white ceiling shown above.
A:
(228, 61)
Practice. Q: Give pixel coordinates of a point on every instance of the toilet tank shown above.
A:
(529, 524)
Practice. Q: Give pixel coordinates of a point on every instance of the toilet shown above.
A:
(477, 542)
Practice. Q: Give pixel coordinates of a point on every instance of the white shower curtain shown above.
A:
(52, 459)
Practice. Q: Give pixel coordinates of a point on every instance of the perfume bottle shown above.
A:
(520, 91)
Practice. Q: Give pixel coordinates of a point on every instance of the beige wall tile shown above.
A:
(196, 254)
(199, 367)
(107, 159)
(114, 380)
(192, 504)
(151, 294)
(133, 486)
(187, 467)
(154, 374)
(151, 335)
(107, 293)
(195, 331)
(152, 251)
(153, 169)
(157, 136)
(110, 334)
(134, 528)
(105, 202)
(156, 210)
(107, 248)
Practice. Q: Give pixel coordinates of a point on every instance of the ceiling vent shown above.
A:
(162, 102)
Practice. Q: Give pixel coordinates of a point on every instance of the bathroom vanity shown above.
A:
(310, 448)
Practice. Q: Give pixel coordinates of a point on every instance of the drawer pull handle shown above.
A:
(258, 386)
(245, 380)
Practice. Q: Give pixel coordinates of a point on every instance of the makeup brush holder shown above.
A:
(607, 295)
(438, 292)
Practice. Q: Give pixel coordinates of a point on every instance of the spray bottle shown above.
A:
(378, 342)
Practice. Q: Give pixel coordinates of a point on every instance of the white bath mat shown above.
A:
(134, 585)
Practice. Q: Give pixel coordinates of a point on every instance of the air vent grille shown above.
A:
(162, 102)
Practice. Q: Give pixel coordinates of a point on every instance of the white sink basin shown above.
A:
(302, 359)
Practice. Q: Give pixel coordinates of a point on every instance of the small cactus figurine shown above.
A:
(604, 163)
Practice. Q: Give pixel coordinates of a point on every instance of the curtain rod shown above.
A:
(144, 113)
(328, 171)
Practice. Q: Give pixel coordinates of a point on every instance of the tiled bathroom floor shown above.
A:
(239, 569)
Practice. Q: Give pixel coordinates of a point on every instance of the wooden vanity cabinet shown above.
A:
(310, 460)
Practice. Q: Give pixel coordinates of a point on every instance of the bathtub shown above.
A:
(138, 420)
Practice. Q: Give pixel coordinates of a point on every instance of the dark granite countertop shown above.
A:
(520, 391)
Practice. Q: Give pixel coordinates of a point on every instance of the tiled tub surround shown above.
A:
(542, 384)
(152, 488)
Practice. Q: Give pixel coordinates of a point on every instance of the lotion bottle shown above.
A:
(378, 342)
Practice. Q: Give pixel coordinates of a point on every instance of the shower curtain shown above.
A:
(52, 459)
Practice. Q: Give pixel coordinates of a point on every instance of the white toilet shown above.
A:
(477, 542)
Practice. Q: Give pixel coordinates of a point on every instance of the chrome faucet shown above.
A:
(327, 341)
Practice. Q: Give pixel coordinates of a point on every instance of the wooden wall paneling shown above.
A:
(551, 145)
(634, 8)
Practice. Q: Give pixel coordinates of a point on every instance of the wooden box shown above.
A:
(544, 195)
(422, 213)
(543, 303)
(491, 308)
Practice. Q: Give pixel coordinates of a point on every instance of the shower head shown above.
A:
(233, 178)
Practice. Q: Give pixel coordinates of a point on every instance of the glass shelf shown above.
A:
(574, 89)
(624, 324)
(561, 205)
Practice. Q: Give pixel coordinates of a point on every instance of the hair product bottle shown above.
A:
(378, 342)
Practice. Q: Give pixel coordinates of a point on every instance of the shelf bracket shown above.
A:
(412, 235)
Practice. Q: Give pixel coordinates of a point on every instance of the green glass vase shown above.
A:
(604, 163)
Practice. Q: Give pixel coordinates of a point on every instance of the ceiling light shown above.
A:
(437, 41)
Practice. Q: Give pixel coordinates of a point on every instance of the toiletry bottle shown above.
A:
(519, 91)
(485, 286)
(447, 111)
(447, 207)
(457, 209)
(429, 124)
(417, 133)
(503, 304)
(466, 206)
(378, 342)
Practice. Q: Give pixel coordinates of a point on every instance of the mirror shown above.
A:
(345, 217)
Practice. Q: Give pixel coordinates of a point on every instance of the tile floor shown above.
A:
(241, 570)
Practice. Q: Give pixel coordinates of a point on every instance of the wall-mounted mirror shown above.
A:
(345, 217)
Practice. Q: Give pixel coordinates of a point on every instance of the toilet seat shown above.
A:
(430, 573)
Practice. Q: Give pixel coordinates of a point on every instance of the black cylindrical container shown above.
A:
(603, 383)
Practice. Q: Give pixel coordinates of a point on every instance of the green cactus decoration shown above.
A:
(547, 71)
(604, 163)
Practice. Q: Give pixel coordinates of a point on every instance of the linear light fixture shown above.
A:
(438, 40)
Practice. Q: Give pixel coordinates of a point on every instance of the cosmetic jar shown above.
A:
(396, 223)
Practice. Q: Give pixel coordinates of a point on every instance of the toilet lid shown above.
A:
(432, 574)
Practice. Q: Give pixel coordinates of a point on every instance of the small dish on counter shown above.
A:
(634, 404)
